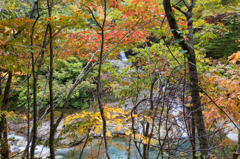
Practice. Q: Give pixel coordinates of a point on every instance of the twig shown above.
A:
(234, 8)
(1, 78)
(20, 83)
(94, 17)
(220, 108)
(84, 144)
(3, 1)
(180, 10)
(44, 89)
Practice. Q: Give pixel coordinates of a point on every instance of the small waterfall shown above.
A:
(124, 58)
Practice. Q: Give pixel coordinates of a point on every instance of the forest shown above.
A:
(128, 79)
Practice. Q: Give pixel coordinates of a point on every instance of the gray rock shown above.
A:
(14, 148)
(118, 63)
(21, 143)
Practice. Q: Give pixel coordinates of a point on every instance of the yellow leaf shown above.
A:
(108, 134)
(80, 130)
(135, 115)
(138, 136)
(128, 132)
(151, 141)
(118, 121)
(113, 116)
(25, 117)
(149, 120)
(188, 105)
(96, 130)
(144, 140)
(117, 129)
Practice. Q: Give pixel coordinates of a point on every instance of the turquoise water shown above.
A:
(118, 149)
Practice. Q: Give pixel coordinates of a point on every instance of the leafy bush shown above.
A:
(64, 77)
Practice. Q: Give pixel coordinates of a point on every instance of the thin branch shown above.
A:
(1, 78)
(78, 80)
(185, 4)
(81, 76)
(20, 83)
(172, 53)
(220, 108)
(178, 2)
(206, 93)
(234, 8)
(150, 74)
(211, 98)
(179, 9)
(35, 75)
(191, 4)
(84, 144)
(42, 51)
(3, 1)
(104, 124)
(55, 34)
(94, 17)
(134, 135)
(44, 90)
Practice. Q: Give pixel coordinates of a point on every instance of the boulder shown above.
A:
(21, 143)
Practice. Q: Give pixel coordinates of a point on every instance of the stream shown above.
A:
(118, 146)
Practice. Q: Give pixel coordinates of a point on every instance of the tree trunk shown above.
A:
(3, 123)
(28, 99)
(192, 71)
(34, 109)
(237, 153)
(35, 78)
(52, 123)
(99, 82)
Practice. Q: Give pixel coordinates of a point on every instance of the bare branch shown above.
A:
(94, 17)
(219, 107)
(88, 133)
(179, 9)
(44, 89)
(234, 8)
(20, 83)
(185, 3)
(3, 1)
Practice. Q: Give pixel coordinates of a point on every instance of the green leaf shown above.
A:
(23, 68)
(179, 32)
(234, 67)
(178, 40)
(183, 51)
(201, 57)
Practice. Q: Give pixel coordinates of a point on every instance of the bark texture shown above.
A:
(237, 153)
(52, 123)
(202, 135)
(3, 123)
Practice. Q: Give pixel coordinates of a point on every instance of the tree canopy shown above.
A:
(62, 64)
